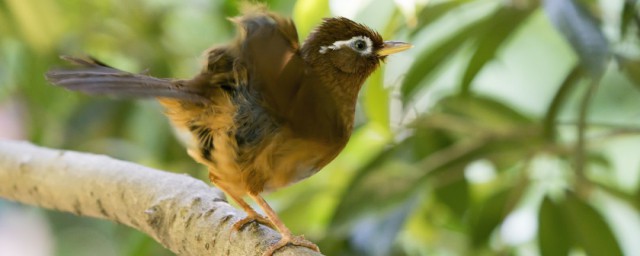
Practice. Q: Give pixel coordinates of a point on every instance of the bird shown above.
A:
(265, 111)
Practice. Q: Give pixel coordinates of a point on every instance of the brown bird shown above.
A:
(264, 112)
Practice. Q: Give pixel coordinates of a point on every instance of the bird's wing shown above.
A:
(269, 49)
(94, 77)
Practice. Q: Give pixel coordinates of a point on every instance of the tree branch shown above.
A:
(182, 213)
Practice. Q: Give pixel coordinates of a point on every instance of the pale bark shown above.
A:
(184, 214)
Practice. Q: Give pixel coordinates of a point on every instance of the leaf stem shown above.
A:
(581, 151)
(550, 122)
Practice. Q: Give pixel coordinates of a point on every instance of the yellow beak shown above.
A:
(391, 47)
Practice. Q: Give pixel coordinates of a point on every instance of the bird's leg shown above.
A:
(252, 215)
(287, 237)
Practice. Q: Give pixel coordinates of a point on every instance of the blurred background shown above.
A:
(511, 128)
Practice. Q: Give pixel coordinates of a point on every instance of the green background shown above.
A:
(511, 128)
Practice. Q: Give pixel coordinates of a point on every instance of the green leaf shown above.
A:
(230, 8)
(483, 112)
(484, 129)
(631, 68)
(553, 238)
(558, 101)
(582, 31)
(307, 14)
(376, 100)
(502, 25)
(280, 6)
(426, 140)
(434, 11)
(364, 146)
(378, 188)
(588, 228)
(5, 27)
(636, 202)
(391, 178)
(11, 63)
(628, 14)
(487, 215)
(429, 61)
(38, 22)
(455, 195)
(598, 158)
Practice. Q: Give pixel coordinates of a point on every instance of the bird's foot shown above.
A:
(255, 218)
(290, 240)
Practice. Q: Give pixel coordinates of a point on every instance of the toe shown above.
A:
(290, 240)
(252, 219)
(300, 241)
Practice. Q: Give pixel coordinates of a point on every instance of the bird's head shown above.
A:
(348, 46)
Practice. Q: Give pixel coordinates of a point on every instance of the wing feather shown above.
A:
(269, 49)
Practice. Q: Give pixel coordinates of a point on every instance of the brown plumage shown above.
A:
(263, 112)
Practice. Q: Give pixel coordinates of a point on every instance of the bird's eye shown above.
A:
(360, 45)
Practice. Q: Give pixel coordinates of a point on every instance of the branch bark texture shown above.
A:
(184, 214)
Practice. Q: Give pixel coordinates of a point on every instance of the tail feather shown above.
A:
(94, 77)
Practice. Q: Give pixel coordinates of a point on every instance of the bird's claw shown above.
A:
(253, 218)
(290, 240)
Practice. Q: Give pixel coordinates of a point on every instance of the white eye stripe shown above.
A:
(338, 44)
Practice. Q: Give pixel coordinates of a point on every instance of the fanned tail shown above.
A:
(94, 77)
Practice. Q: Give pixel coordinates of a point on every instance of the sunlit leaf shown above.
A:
(588, 228)
(553, 237)
(39, 22)
(309, 13)
(230, 8)
(280, 6)
(501, 27)
(376, 100)
(5, 29)
(582, 31)
(365, 144)
(428, 62)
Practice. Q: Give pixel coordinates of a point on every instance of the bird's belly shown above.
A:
(285, 160)
(186, 137)
(274, 162)
(251, 154)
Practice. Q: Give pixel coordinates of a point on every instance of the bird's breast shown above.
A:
(285, 158)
